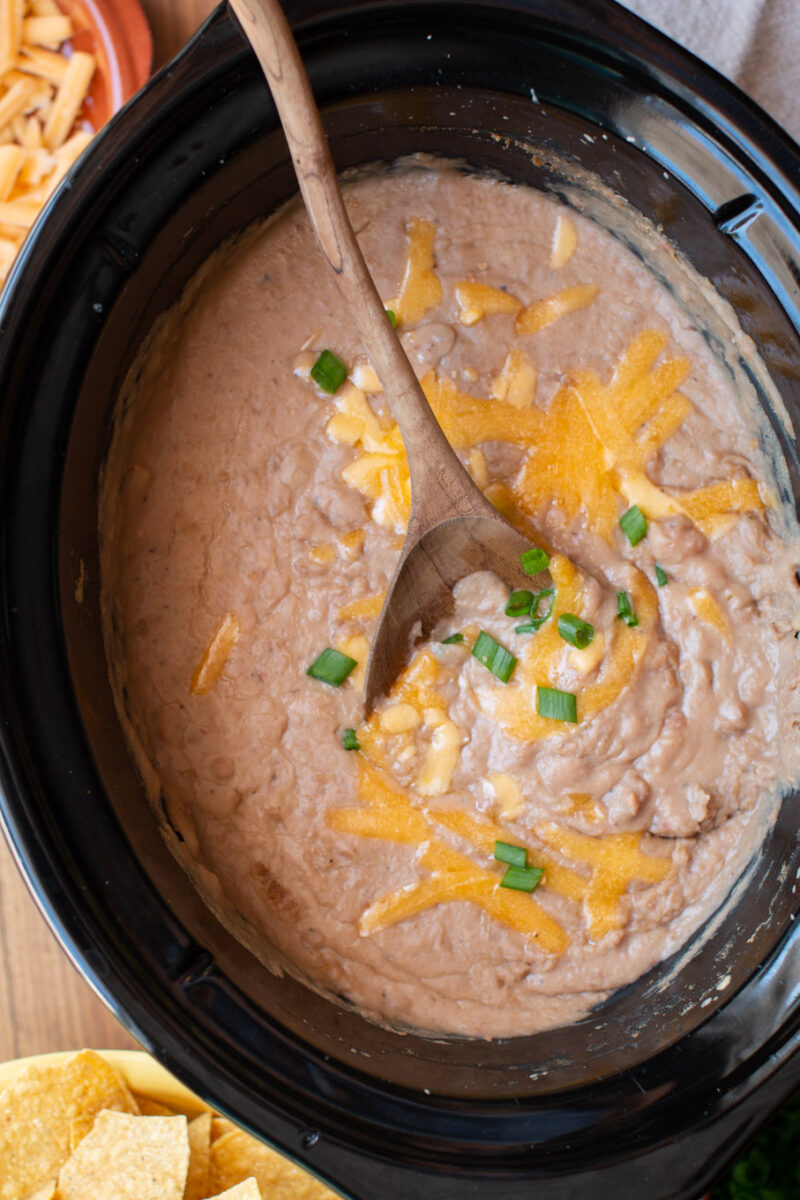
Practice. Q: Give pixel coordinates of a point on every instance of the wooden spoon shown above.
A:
(453, 530)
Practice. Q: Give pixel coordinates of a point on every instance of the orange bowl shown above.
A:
(116, 31)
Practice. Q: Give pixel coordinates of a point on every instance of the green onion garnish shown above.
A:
(452, 640)
(350, 741)
(522, 879)
(496, 658)
(537, 620)
(519, 604)
(558, 706)
(332, 667)
(507, 852)
(392, 318)
(625, 610)
(633, 524)
(534, 560)
(575, 631)
(329, 372)
(662, 579)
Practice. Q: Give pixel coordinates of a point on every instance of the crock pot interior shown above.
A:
(201, 161)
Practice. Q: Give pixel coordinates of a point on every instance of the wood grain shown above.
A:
(44, 1003)
(172, 22)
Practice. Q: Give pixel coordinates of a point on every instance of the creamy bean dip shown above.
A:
(524, 823)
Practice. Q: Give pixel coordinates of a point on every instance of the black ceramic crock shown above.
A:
(651, 1095)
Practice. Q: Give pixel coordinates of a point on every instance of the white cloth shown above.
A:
(756, 43)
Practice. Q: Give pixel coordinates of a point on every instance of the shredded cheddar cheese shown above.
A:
(215, 655)
(508, 796)
(356, 647)
(565, 242)
(365, 606)
(421, 288)
(443, 753)
(709, 611)
(516, 383)
(545, 312)
(478, 300)
(606, 865)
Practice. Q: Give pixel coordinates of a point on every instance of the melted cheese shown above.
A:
(478, 300)
(443, 753)
(606, 865)
(565, 242)
(516, 383)
(421, 288)
(710, 612)
(215, 655)
(365, 606)
(545, 312)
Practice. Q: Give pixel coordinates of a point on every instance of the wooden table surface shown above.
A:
(44, 1004)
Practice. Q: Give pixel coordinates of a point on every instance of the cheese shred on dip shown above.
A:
(551, 799)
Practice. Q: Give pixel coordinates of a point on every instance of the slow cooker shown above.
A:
(653, 1092)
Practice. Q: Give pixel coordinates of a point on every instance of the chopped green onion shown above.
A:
(625, 610)
(329, 372)
(537, 621)
(507, 852)
(452, 640)
(575, 631)
(519, 604)
(633, 524)
(558, 706)
(332, 667)
(350, 741)
(662, 578)
(496, 658)
(534, 560)
(392, 318)
(522, 879)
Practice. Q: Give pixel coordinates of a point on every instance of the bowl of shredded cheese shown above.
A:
(66, 69)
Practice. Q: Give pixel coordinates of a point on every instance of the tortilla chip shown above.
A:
(236, 1156)
(152, 1108)
(199, 1157)
(43, 1109)
(45, 1193)
(128, 1158)
(243, 1191)
(221, 1126)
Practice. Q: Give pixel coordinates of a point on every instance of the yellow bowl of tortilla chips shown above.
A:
(115, 1124)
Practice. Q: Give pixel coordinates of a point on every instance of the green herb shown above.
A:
(558, 706)
(452, 640)
(662, 578)
(625, 610)
(392, 318)
(332, 667)
(537, 620)
(350, 741)
(534, 560)
(770, 1168)
(575, 631)
(634, 524)
(496, 658)
(507, 852)
(329, 372)
(522, 879)
(519, 603)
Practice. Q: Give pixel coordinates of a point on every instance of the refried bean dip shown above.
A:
(250, 521)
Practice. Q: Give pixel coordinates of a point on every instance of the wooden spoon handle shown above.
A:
(440, 486)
